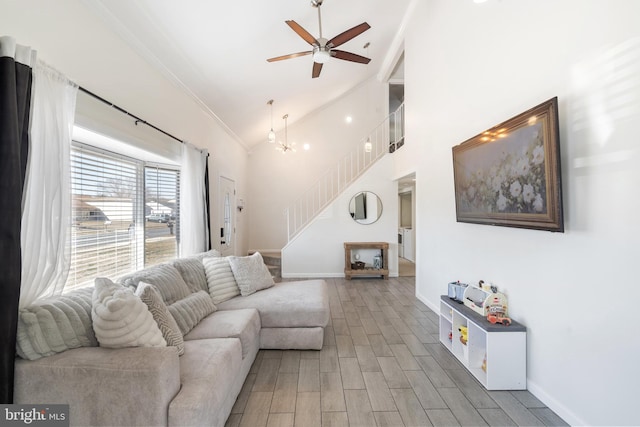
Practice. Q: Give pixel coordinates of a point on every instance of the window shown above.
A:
(162, 192)
(124, 214)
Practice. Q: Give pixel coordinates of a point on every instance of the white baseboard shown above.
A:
(311, 275)
(562, 411)
(322, 275)
(425, 301)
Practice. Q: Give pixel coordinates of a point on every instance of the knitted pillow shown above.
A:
(222, 284)
(121, 319)
(250, 273)
(53, 325)
(189, 311)
(167, 324)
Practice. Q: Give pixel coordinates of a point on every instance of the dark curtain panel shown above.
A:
(207, 204)
(15, 103)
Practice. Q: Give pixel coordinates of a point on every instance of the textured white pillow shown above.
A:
(121, 319)
(189, 311)
(167, 324)
(53, 325)
(251, 273)
(222, 284)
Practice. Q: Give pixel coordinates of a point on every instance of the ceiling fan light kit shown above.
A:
(323, 49)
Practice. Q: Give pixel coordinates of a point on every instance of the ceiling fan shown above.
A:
(324, 49)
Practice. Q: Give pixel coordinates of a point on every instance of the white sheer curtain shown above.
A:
(194, 230)
(47, 205)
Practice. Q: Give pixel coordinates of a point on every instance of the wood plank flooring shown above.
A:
(381, 365)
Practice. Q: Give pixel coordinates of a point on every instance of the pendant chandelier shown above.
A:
(285, 147)
(271, 136)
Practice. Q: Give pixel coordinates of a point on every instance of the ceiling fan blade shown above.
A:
(348, 35)
(291, 55)
(317, 67)
(348, 56)
(302, 33)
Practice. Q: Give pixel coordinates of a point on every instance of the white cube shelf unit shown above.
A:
(502, 349)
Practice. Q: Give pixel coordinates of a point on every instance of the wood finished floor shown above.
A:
(381, 365)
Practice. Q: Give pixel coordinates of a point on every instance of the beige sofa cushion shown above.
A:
(208, 371)
(294, 304)
(243, 324)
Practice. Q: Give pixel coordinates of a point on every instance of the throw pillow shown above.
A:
(250, 273)
(189, 311)
(165, 321)
(121, 319)
(222, 284)
(56, 324)
(192, 271)
(165, 277)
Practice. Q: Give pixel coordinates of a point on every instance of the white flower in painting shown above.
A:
(527, 193)
(538, 155)
(538, 204)
(516, 188)
(502, 202)
(522, 167)
(479, 174)
(471, 192)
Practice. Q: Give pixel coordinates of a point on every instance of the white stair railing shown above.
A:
(386, 137)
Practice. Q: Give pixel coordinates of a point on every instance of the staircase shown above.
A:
(388, 136)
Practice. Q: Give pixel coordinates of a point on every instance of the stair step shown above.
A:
(270, 258)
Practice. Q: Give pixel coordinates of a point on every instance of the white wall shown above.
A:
(319, 250)
(469, 67)
(73, 40)
(277, 180)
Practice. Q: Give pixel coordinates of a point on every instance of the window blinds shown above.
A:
(124, 215)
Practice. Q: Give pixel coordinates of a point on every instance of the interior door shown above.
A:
(227, 227)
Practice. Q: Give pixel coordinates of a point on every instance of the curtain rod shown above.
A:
(138, 119)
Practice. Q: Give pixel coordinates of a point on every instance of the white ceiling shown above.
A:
(217, 50)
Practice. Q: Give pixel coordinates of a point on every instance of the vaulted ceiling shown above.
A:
(217, 52)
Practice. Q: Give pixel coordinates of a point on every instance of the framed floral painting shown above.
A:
(509, 175)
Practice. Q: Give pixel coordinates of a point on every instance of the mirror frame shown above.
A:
(352, 208)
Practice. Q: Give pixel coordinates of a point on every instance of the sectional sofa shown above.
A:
(67, 351)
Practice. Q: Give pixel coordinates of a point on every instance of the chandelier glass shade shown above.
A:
(271, 136)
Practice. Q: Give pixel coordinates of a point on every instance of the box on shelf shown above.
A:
(456, 291)
(480, 300)
(358, 265)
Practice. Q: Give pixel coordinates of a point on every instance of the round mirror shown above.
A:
(365, 207)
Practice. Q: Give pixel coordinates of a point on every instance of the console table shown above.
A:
(368, 270)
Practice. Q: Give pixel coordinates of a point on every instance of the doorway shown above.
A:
(406, 226)
(227, 217)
